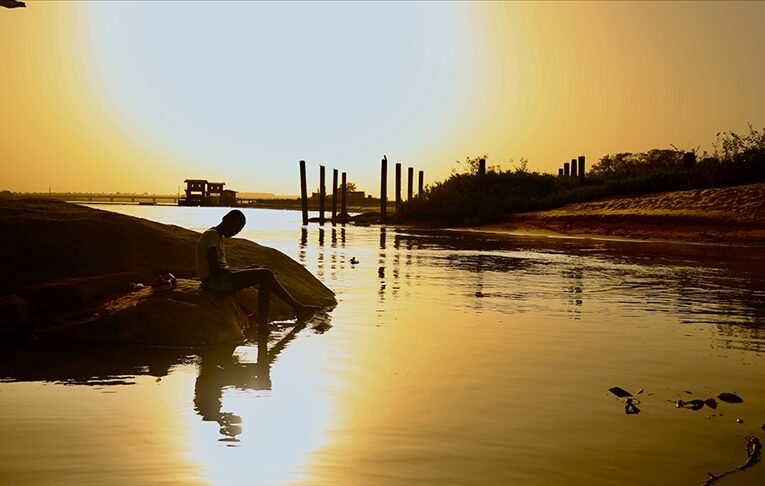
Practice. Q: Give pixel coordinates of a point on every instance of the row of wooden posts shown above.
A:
(409, 188)
(570, 170)
(344, 190)
(322, 194)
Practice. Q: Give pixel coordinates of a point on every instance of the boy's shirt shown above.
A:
(209, 239)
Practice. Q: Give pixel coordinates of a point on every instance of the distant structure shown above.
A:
(200, 192)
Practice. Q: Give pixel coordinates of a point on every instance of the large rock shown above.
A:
(74, 266)
(186, 315)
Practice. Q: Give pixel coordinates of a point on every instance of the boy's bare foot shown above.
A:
(305, 312)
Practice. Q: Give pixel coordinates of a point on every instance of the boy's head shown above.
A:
(232, 223)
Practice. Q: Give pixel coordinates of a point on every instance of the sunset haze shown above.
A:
(138, 96)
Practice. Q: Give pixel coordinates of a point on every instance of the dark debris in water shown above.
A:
(630, 402)
(729, 397)
(753, 453)
(620, 392)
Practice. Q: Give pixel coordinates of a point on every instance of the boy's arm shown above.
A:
(212, 261)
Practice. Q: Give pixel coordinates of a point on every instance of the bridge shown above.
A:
(112, 198)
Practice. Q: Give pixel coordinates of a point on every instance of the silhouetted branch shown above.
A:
(12, 4)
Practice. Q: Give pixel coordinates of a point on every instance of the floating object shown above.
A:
(694, 404)
(353, 261)
(620, 392)
(630, 408)
(479, 294)
(730, 397)
(754, 454)
(739, 421)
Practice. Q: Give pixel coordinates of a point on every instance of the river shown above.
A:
(452, 358)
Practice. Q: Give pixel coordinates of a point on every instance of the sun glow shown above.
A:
(137, 96)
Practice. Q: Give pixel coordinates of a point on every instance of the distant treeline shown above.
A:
(467, 198)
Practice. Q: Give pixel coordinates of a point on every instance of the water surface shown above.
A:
(452, 358)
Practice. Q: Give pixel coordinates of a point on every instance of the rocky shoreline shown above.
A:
(76, 273)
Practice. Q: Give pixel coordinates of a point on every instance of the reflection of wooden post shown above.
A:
(560, 171)
(322, 195)
(565, 169)
(482, 167)
(383, 188)
(581, 168)
(410, 183)
(334, 195)
(420, 182)
(303, 192)
(343, 192)
(573, 167)
(398, 185)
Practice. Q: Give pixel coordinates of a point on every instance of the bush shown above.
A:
(469, 199)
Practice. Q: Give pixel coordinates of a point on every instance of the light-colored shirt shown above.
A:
(209, 239)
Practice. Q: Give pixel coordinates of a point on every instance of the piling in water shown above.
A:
(398, 185)
(303, 192)
(334, 195)
(343, 192)
(322, 195)
(383, 188)
(410, 183)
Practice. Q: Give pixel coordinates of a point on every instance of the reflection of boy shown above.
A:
(216, 276)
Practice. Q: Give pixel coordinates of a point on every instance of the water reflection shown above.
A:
(107, 365)
(221, 368)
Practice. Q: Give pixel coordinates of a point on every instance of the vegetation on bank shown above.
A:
(467, 198)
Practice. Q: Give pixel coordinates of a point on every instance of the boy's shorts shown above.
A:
(222, 284)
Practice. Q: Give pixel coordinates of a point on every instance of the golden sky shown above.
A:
(138, 96)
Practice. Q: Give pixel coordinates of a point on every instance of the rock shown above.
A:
(18, 317)
(58, 241)
(187, 315)
(75, 268)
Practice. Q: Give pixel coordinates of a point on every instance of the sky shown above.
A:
(137, 96)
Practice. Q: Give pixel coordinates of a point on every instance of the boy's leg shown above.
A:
(263, 278)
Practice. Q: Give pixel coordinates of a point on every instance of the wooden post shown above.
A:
(322, 195)
(383, 188)
(398, 185)
(581, 168)
(410, 183)
(420, 182)
(565, 169)
(303, 192)
(573, 167)
(482, 167)
(343, 192)
(560, 172)
(334, 195)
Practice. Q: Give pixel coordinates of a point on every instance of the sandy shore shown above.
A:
(731, 215)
